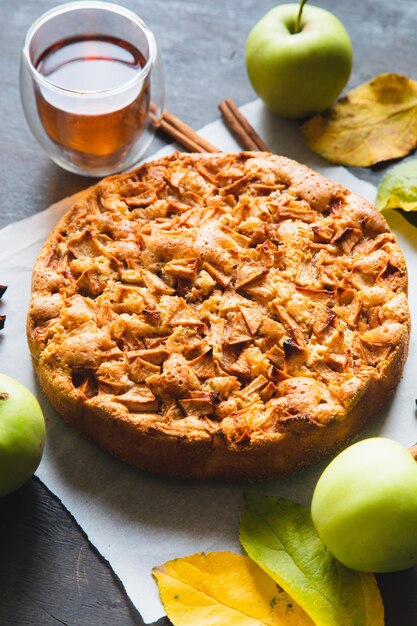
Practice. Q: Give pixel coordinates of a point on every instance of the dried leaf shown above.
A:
(280, 537)
(398, 188)
(375, 122)
(224, 588)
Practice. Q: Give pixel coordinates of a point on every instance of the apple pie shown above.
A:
(228, 316)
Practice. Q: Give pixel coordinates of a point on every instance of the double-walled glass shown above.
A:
(94, 132)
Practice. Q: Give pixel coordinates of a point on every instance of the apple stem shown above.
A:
(4, 395)
(300, 12)
(413, 451)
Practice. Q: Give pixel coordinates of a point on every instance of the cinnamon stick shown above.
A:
(184, 134)
(239, 126)
(188, 131)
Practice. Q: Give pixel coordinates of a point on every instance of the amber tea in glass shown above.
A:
(91, 90)
(92, 63)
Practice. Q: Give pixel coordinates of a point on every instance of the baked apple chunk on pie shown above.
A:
(232, 316)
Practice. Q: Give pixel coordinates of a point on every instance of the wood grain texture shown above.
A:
(49, 574)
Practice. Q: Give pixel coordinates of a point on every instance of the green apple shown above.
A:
(298, 66)
(364, 506)
(22, 434)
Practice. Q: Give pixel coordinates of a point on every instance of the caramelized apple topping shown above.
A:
(225, 291)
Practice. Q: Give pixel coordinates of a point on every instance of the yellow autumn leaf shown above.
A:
(222, 588)
(375, 122)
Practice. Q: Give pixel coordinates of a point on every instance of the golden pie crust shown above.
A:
(231, 316)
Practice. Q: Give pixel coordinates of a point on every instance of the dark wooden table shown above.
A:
(49, 573)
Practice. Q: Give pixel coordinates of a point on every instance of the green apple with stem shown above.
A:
(298, 59)
(364, 506)
(22, 434)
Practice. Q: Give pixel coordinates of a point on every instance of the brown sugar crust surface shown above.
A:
(231, 316)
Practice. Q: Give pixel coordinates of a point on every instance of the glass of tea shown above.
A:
(92, 87)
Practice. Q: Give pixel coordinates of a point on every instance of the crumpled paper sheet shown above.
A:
(138, 520)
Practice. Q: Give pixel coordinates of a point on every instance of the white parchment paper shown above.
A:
(137, 520)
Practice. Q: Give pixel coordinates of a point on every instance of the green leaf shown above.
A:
(280, 537)
(398, 188)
